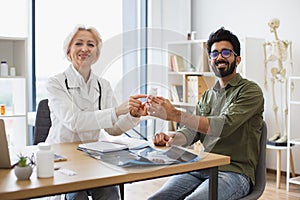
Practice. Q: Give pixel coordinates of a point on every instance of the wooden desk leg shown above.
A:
(278, 173)
(292, 164)
(213, 183)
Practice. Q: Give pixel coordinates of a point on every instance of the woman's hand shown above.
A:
(136, 107)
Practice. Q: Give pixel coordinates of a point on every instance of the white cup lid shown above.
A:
(44, 146)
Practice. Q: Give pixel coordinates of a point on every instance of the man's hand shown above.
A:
(163, 109)
(162, 139)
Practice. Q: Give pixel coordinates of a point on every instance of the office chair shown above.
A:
(260, 175)
(43, 124)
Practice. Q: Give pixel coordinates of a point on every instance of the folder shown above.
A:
(102, 146)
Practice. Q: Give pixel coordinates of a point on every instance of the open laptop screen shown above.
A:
(5, 161)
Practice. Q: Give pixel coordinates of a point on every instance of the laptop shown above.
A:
(7, 160)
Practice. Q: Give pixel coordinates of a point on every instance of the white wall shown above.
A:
(165, 25)
(250, 19)
(14, 18)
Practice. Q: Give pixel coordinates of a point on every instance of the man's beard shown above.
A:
(223, 72)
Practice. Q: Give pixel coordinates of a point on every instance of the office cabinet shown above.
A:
(13, 89)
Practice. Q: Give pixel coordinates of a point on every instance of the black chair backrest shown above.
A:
(261, 167)
(261, 172)
(42, 122)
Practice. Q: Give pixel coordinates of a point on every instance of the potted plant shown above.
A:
(23, 169)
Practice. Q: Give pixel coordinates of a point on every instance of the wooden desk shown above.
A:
(93, 173)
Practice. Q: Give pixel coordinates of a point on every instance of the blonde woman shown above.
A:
(82, 103)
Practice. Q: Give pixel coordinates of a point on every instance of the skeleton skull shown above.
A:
(274, 24)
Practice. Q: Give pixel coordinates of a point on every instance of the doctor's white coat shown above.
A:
(74, 108)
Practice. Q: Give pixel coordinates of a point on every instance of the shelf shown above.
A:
(12, 116)
(291, 137)
(295, 141)
(192, 73)
(295, 180)
(276, 147)
(8, 78)
(185, 42)
(188, 56)
(13, 89)
(13, 50)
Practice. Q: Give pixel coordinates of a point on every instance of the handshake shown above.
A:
(137, 108)
(153, 106)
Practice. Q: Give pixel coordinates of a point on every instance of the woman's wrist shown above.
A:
(118, 111)
(121, 110)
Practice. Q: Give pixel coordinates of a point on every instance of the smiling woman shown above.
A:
(82, 48)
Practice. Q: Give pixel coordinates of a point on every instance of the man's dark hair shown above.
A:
(224, 35)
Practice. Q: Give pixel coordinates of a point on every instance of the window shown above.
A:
(119, 25)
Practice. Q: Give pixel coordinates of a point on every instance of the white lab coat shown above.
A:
(75, 113)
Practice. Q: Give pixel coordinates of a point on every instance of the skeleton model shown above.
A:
(276, 52)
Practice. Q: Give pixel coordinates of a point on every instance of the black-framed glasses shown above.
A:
(226, 53)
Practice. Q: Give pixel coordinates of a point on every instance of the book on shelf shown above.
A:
(177, 63)
(176, 93)
(196, 85)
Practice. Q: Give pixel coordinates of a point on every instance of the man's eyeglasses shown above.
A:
(226, 53)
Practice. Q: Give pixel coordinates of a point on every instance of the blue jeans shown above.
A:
(195, 185)
(102, 193)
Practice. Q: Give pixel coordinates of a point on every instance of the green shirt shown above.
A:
(235, 114)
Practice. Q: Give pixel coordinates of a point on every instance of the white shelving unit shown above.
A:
(14, 90)
(195, 61)
(293, 107)
(193, 53)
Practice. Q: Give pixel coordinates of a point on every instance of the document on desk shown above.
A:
(131, 143)
(114, 143)
(145, 156)
(101, 146)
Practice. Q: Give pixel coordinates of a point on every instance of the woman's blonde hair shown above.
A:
(70, 37)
